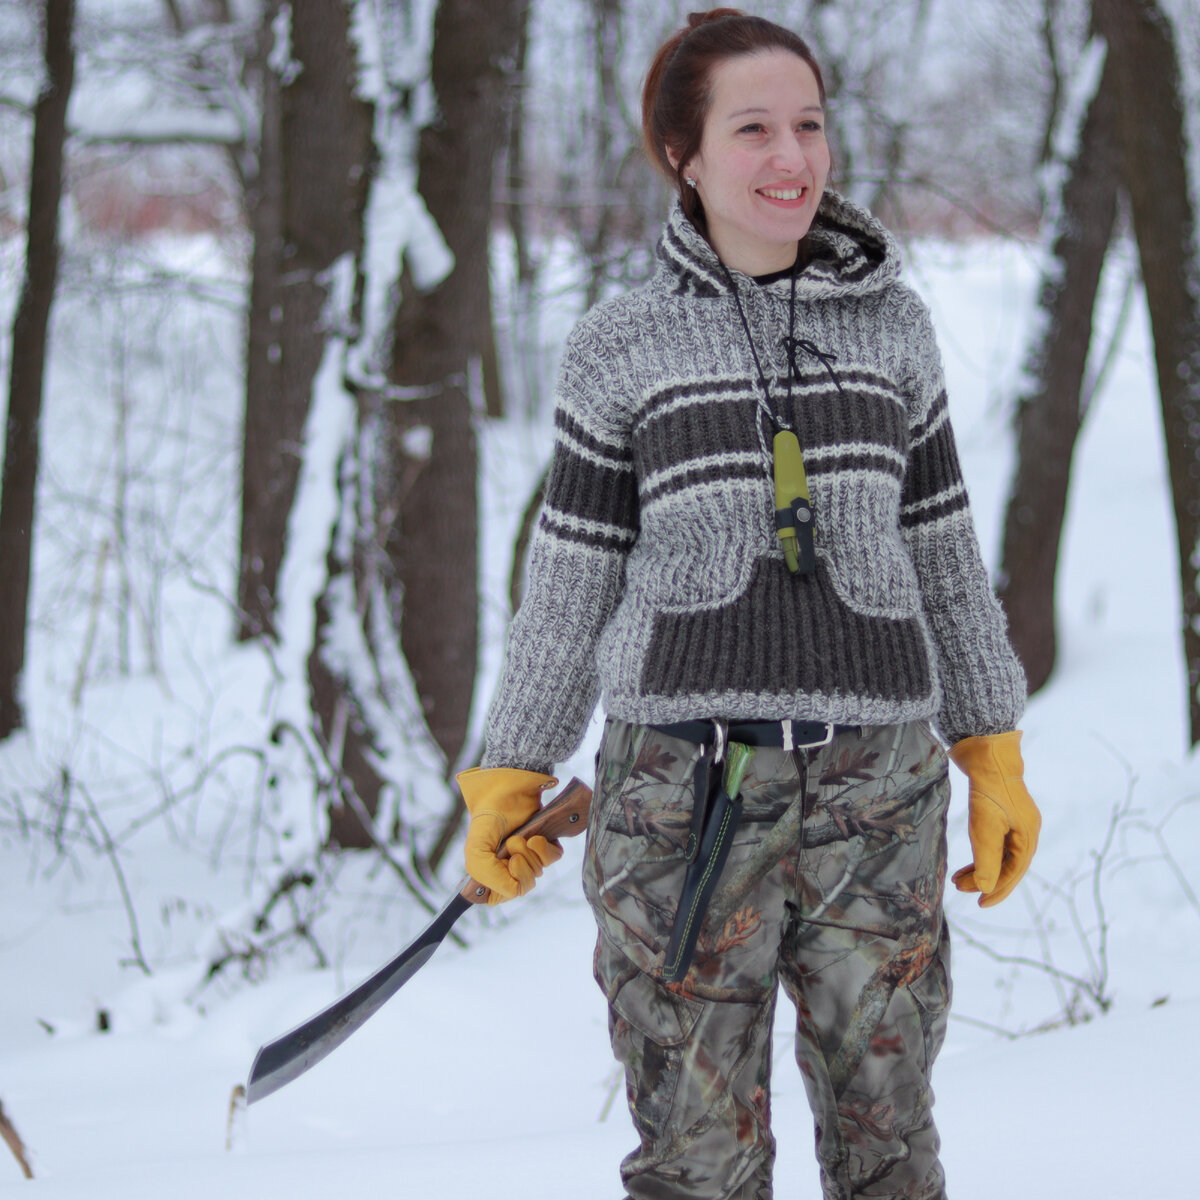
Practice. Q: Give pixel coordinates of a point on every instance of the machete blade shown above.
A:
(289, 1056)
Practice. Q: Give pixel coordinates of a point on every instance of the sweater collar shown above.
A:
(849, 253)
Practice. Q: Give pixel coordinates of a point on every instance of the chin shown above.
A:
(785, 235)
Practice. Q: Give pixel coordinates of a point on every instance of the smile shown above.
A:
(782, 193)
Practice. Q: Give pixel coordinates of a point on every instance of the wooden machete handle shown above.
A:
(565, 816)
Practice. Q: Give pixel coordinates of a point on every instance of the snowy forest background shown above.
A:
(282, 288)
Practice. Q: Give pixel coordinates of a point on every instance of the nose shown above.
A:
(789, 157)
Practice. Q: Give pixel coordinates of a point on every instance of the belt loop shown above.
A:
(720, 730)
(788, 744)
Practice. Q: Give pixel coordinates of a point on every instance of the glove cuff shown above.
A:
(503, 787)
(993, 751)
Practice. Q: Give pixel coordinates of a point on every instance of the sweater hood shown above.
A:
(849, 254)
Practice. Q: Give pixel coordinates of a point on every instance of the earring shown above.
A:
(691, 182)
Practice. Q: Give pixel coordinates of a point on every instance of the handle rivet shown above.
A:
(574, 818)
(479, 891)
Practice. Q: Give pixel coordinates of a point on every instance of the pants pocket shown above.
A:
(649, 1026)
(638, 831)
(933, 992)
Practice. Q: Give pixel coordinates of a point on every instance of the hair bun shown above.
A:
(696, 19)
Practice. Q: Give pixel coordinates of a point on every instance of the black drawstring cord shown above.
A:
(826, 358)
(778, 420)
(791, 345)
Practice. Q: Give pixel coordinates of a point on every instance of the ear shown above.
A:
(672, 157)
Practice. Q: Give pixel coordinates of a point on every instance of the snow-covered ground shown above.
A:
(490, 1072)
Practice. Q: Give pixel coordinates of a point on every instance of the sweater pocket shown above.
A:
(874, 576)
(859, 539)
(691, 571)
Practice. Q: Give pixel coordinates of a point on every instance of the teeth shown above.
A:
(778, 194)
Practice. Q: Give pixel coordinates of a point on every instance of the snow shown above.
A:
(490, 1072)
(1183, 22)
(394, 61)
(137, 80)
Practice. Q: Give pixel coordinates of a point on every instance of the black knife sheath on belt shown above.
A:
(717, 815)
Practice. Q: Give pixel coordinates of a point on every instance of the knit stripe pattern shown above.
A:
(657, 581)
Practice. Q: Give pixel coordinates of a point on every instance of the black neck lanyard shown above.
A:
(793, 507)
(777, 419)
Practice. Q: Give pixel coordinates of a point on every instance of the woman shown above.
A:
(756, 544)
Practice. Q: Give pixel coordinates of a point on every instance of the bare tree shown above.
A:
(1133, 140)
(1151, 133)
(443, 355)
(305, 204)
(27, 368)
(1050, 412)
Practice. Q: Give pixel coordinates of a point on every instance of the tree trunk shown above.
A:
(306, 212)
(601, 223)
(516, 205)
(1049, 415)
(1153, 143)
(317, 150)
(263, 471)
(27, 368)
(444, 347)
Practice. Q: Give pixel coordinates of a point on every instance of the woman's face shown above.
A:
(763, 159)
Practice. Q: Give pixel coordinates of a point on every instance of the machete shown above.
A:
(289, 1056)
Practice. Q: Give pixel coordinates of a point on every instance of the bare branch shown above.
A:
(11, 1138)
(110, 849)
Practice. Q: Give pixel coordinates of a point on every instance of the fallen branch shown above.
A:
(9, 1134)
(235, 1120)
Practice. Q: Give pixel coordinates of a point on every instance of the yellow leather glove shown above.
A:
(501, 799)
(1002, 820)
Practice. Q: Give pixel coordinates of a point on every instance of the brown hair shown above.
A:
(678, 90)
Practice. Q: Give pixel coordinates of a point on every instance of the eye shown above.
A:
(753, 127)
(809, 127)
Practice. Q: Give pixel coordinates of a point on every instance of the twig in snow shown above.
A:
(109, 848)
(614, 1085)
(1090, 987)
(9, 1134)
(1158, 832)
(332, 777)
(235, 1116)
(996, 1029)
(253, 948)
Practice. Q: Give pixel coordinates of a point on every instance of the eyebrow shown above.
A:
(745, 112)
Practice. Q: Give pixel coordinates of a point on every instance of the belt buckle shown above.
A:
(825, 740)
(789, 743)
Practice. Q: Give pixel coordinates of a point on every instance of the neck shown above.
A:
(757, 260)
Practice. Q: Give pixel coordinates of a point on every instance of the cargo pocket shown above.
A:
(649, 1025)
(932, 992)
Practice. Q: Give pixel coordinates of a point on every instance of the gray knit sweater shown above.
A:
(656, 575)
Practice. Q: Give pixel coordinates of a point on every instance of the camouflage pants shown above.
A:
(847, 914)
